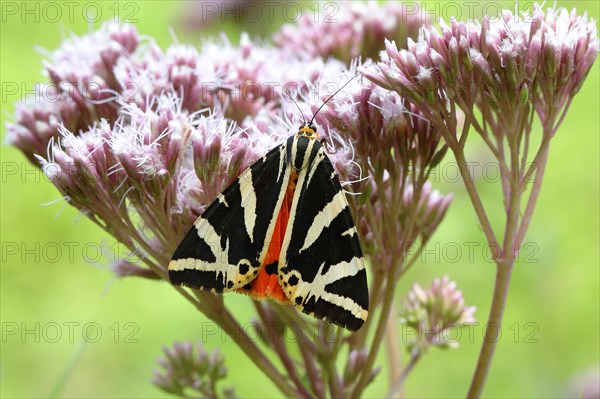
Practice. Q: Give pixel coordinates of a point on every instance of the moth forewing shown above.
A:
(224, 248)
(321, 266)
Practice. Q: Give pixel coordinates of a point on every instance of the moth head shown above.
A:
(308, 130)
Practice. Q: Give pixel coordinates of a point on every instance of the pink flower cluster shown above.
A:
(434, 310)
(497, 66)
(395, 146)
(162, 133)
(347, 30)
(81, 90)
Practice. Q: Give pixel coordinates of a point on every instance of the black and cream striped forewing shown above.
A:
(321, 264)
(224, 248)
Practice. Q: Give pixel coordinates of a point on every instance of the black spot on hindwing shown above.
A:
(271, 268)
(293, 280)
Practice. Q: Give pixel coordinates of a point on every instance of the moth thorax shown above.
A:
(309, 131)
(303, 149)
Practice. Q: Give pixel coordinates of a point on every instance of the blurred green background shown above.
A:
(53, 280)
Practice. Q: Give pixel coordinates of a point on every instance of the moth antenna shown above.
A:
(297, 106)
(331, 96)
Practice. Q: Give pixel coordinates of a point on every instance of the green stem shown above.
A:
(335, 387)
(503, 274)
(307, 347)
(540, 163)
(379, 332)
(504, 266)
(266, 315)
(393, 346)
(234, 330)
(397, 383)
(475, 200)
(311, 370)
(68, 372)
(393, 266)
(213, 388)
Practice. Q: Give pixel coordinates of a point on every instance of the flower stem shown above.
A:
(246, 344)
(335, 386)
(311, 369)
(393, 346)
(379, 332)
(513, 238)
(504, 261)
(540, 164)
(503, 275)
(398, 382)
(266, 314)
(477, 204)
(504, 266)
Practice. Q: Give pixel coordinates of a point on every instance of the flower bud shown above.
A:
(187, 367)
(432, 311)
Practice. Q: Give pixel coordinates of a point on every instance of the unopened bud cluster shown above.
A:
(432, 311)
(187, 369)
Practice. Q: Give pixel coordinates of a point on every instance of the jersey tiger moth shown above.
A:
(282, 230)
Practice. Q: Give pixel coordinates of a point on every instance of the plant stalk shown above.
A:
(399, 381)
(379, 333)
(245, 343)
(504, 265)
(476, 201)
(503, 275)
(393, 346)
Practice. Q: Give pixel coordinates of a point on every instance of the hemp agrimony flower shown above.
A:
(432, 311)
(350, 29)
(501, 74)
(81, 89)
(188, 367)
